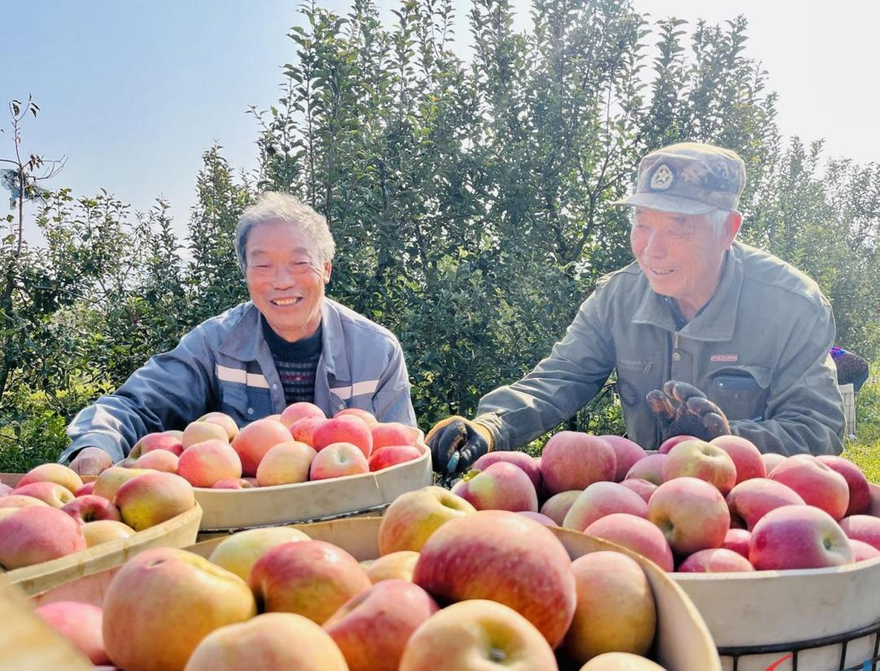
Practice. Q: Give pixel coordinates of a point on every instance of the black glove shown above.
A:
(683, 410)
(456, 443)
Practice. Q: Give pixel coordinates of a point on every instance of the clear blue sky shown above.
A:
(133, 92)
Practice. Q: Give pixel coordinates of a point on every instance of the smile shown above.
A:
(286, 302)
(659, 272)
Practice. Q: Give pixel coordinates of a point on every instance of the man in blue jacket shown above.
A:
(289, 343)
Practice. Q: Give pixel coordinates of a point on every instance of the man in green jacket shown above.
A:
(736, 339)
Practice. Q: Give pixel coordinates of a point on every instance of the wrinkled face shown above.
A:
(681, 255)
(285, 279)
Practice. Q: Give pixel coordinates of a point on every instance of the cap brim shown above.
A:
(666, 203)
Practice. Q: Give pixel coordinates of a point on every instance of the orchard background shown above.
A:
(470, 202)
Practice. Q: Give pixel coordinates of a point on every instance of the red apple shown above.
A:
(60, 475)
(396, 565)
(746, 457)
(669, 443)
(163, 440)
(234, 483)
(859, 491)
(621, 661)
(798, 537)
(257, 438)
(690, 512)
(627, 453)
(239, 552)
(636, 534)
(90, 508)
(558, 505)
(529, 465)
(538, 517)
(749, 501)
(158, 460)
(204, 464)
(79, 623)
(368, 418)
(6, 490)
(222, 420)
(391, 455)
(413, 517)
(641, 487)
(737, 540)
(865, 528)
(502, 486)
(702, 460)
(573, 460)
(337, 460)
(601, 499)
(345, 429)
(12, 501)
(153, 498)
(715, 560)
(817, 484)
(297, 411)
(393, 433)
(863, 551)
(36, 534)
(771, 460)
(87, 488)
(303, 430)
(199, 432)
(48, 492)
(285, 464)
(650, 468)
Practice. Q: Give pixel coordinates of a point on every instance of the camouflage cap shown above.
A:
(689, 178)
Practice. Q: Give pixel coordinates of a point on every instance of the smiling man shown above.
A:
(736, 339)
(289, 343)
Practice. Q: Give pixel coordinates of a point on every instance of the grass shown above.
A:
(864, 450)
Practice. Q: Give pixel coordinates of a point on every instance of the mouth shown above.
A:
(286, 302)
(660, 272)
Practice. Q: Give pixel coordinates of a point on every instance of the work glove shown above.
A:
(91, 461)
(683, 410)
(456, 443)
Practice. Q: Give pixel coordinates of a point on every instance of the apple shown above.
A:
(863, 551)
(285, 464)
(395, 565)
(60, 475)
(158, 460)
(234, 483)
(636, 534)
(690, 512)
(310, 578)
(798, 537)
(303, 430)
(5, 490)
(163, 602)
(104, 531)
(746, 457)
(505, 557)
(669, 443)
(737, 540)
(13, 501)
(297, 411)
(373, 628)
(615, 607)
(222, 420)
(573, 460)
(257, 438)
(241, 550)
(90, 508)
(474, 635)
(268, 641)
(367, 417)
(204, 464)
(412, 518)
(859, 490)
(558, 505)
(772, 460)
(393, 433)
(169, 441)
(650, 468)
(79, 623)
(153, 498)
(198, 432)
(529, 465)
(641, 487)
(865, 528)
(337, 460)
(749, 501)
(87, 488)
(48, 492)
(627, 453)
(715, 560)
(538, 517)
(344, 429)
(699, 459)
(815, 481)
(113, 478)
(502, 486)
(391, 455)
(601, 499)
(36, 534)
(621, 661)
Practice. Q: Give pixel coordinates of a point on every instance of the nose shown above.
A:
(284, 278)
(655, 245)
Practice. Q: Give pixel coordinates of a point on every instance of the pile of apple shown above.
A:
(51, 513)
(694, 506)
(299, 445)
(454, 589)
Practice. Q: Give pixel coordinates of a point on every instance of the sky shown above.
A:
(132, 93)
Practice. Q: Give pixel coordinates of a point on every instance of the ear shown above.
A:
(732, 226)
(328, 270)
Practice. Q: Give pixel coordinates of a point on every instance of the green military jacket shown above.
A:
(759, 349)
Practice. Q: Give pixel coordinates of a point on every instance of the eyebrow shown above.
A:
(296, 250)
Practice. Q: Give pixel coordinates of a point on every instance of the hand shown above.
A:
(91, 461)
(456, 443)
(684, 410)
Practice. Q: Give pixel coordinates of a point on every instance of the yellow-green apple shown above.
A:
(344, 429)
(240, 551)
(297, 411)
(502, 486)
(303, 430)
(48, 492)
(393, 433)
(170, 441)
(198, 432)
(257, 438)
(817, 484)
(650, 468)
(505, 557)
(103, 531)
(615, 607)
(573, 460)
(268, 642)
(538, 517)
(865, 528)
(737, 540)
(699, 459)
(163, 602)
(19, 501)
(636, 534)
(627, 453)
(641, 487)
(310, 578)
(477, 635)
(285, 464)
(90, 508)
(863, 551)
(338, 459)
(797, 537)
(87, 488)
(113, 478)
(373, 628)
(222, 420)
(715, 560)
(396, 565)
(368, 417)
(558, 505)
(530, 465)
(772, 460)
(204, 464)
(669, 443)
(859, 490)
(391, 455)
(61, 475)
(158, 460)
(621, 661)
(749, 501)
(412, 518)
(79, 623)
(746, 457)
(33, 535)
(690, 512)
(151, 499)
(601, 499)
(234, 483)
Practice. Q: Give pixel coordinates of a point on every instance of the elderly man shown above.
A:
(289, 343)
(736, 339)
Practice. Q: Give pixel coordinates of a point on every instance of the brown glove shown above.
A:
(456, 443)
(683, 410)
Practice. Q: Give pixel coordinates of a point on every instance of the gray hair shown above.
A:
(716, 219)
(273, 206)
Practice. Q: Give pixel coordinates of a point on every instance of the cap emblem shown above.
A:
(662, 179)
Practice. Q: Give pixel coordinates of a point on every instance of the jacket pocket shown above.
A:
(740, 391)
(245, 403)
(635, 379)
